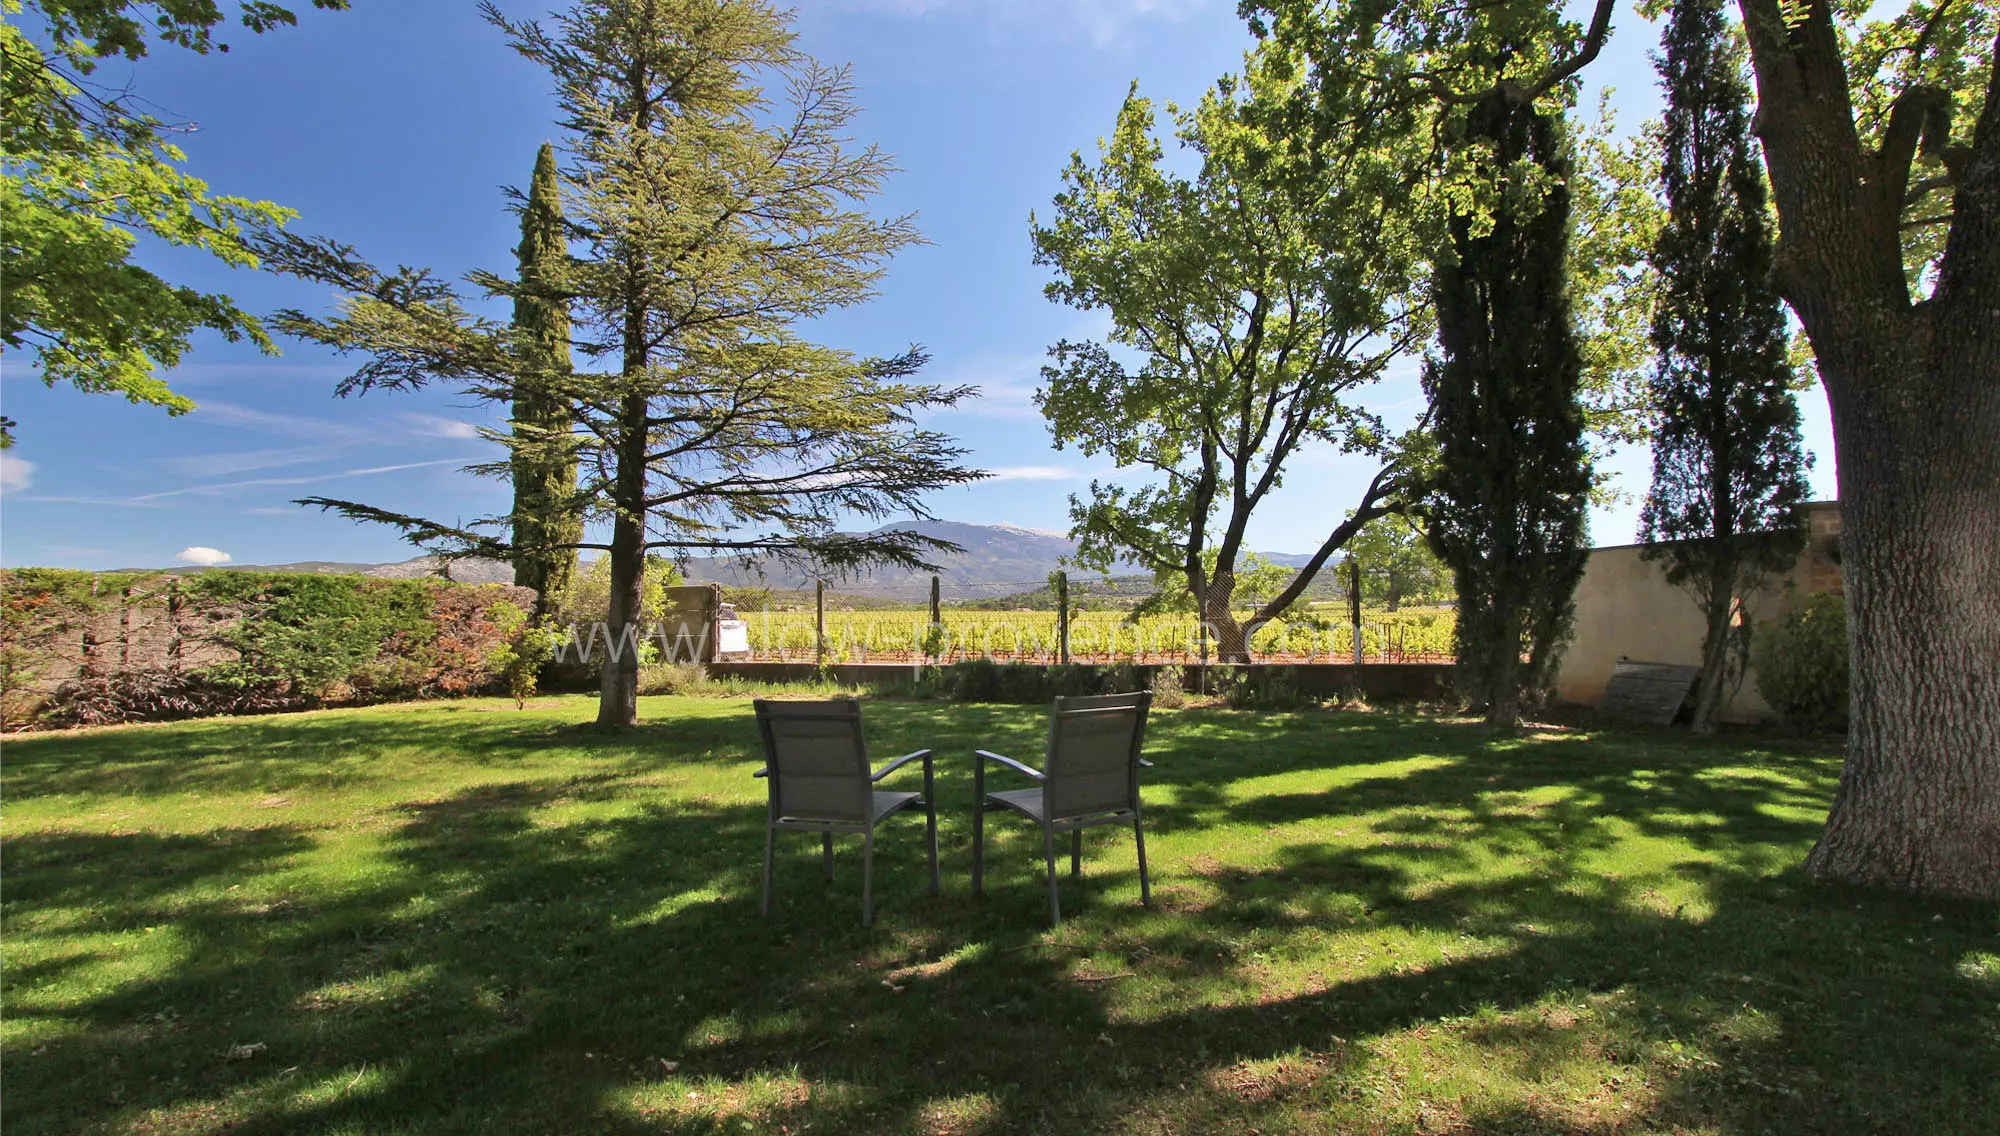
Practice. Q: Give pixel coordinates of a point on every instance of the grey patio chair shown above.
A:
(817, 767)
(1091, 777)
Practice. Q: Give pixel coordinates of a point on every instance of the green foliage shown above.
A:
(1944, 49)
(1261, 295)
(307, 632)
(1727, 504)
(525, 646)
(1169, 687)
(1274, 689)
(86, 177)
(548, 514)
(254, 641)
(587, 599)
(674, 678)
(1512, 480)
(1417, 69)
(715, 201)
(1801, 663)
(1397, 564)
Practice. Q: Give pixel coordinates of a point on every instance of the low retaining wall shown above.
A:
(1378, 682)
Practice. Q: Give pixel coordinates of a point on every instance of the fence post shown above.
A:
(933, 641)
(1354, 603)
(819, 622)
(1062, 617)
(174, 624)
(125, 629)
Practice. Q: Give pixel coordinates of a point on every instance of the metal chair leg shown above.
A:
(1076, 854)
(930, 832)
(770, 840)
(868, 877)
(979, 848)
(826, 847)
(1049, 851)
(1139, 835)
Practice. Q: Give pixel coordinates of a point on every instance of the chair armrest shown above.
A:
(1144, 764)
(764, 772)
(899, 763)
(989, 755)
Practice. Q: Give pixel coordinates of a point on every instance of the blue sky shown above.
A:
(394, 126)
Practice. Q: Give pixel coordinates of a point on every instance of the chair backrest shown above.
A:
(1093, 757)
(817, 761)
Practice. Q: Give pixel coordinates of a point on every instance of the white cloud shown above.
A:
(432, 426)
(289, 425)
(244, 461)
(203, 555)
(1031, 473)
(231, 486)
(16, 474)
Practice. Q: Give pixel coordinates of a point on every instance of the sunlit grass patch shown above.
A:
(463, 918)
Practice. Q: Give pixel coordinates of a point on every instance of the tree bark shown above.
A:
(618, 687)
(1919, 799)
(1715, 671)
(1915, 392)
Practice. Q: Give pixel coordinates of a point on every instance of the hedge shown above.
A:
(81, 648)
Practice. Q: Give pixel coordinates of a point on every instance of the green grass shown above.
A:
(463, 918)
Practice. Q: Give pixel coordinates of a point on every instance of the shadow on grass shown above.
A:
(514, 967)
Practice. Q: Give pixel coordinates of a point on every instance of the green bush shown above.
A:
(1169, 687)
(1276, 689)
(1801, 664)
(973, 680)
(1122, 678)
(673, 678)
(1069, 680)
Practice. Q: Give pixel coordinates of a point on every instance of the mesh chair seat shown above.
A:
(879, 806)
(816, 765)
(1090, 776)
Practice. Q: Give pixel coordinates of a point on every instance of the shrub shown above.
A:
(1801, 664)
(673, 678)
(1169, 687)
(973, 680)
(1276, 689)
(1122, 678)
(1069, 680)
(523, 650)
(161, 696)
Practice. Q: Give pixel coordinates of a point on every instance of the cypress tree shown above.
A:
(547, 512)
(1507, 513)
(1726, 507)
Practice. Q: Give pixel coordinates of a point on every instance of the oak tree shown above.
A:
(1252, 301)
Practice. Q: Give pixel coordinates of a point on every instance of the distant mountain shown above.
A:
(464, 571)
(997, 560)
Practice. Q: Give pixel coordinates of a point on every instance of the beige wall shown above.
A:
(1626, 609)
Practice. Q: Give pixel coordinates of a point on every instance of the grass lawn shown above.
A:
(464, 918)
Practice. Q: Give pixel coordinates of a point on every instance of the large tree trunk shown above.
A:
(1915, 394)
(1919, 454)
(618, 687)
(1232, 640)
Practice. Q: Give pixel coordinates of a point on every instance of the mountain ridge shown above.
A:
(996, 560)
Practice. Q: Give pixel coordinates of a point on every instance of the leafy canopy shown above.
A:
(1250, 301)
(86, 176)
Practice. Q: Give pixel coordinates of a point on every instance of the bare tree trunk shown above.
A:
(618, 688)
(1919, 799)
(1713, 685)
